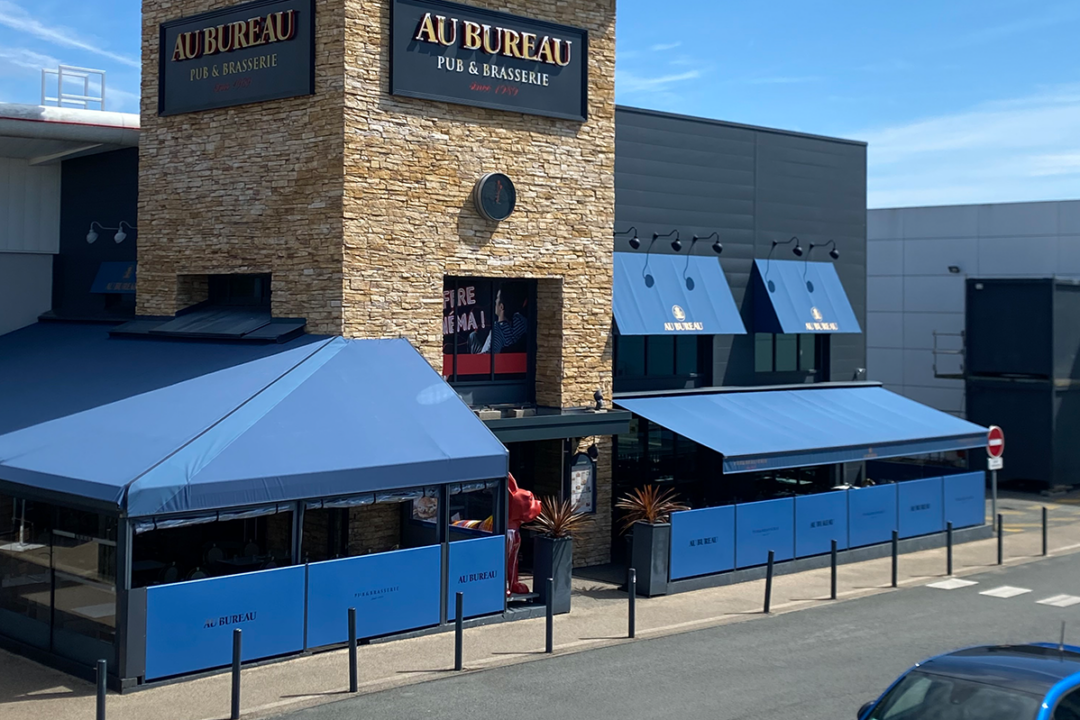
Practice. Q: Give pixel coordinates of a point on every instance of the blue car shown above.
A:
(1040, 681)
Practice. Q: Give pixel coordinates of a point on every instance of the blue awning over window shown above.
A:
(773, 429)
(793, 297)
(159, 427)
(672, 295)
(115, 277)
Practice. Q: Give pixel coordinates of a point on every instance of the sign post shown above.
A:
(995, 450)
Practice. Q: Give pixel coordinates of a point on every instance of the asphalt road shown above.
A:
(815, 664)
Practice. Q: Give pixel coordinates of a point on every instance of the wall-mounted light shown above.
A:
(593, 452)
(599, 398)
(954, 269)
(635, 243)
(834, 253)
(676, 244)
(716, 246)
(797, 250)
(119, 237)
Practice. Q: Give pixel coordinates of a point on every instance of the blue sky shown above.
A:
(961, 100)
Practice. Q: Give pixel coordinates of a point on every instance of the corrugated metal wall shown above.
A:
(29, 207)
(752, 186)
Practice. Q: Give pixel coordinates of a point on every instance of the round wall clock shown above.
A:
(495, 196)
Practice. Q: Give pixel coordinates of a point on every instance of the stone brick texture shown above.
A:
(374, 528)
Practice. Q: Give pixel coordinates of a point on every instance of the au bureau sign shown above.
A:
(461, 54)
(249, 53)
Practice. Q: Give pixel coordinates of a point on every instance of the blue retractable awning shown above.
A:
(793, 297)
(159, 427)
(775, 429)
(673, 294)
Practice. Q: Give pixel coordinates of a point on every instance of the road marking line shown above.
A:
(1061, 601)
(952, 584)
(1005, 591)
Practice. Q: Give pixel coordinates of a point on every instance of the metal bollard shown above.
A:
(832, 583)
(1001, 540)
(895, 557)
(459, 631)
(235, 714)
(631, 595)
(768, 582)
(549, 631)
(352, 650)
(101, 677)
(1045, 546)
(948, 549)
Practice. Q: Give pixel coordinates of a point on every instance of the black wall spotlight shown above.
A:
(635, 243)
(797, 250)
(676, 244)
(599, 398)
(593, 451)
(954, 269)
(716, 246)
(834, 253)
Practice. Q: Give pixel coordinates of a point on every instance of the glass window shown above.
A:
(660, 352)
(686, 354)
(25, 568)
(472, 512)
(488, 328)
(1069, 707)
(807, 352)
(787, 353)
(921, 695)
(631, 355)
(84, 560)
(763, 352)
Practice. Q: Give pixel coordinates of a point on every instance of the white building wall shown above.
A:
(25, 289)
(911, 293)
(29, 207)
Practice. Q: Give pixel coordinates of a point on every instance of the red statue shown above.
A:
(524, 508)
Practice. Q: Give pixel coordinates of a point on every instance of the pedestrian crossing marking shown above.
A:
(952, 584)
(1061, 601)
(1005, 591)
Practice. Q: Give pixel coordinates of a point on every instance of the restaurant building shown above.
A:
(388, 253)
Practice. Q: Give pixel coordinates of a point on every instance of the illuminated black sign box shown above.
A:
(263, 50)
(461, 54)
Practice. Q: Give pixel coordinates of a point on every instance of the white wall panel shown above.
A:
(29, 207)
(25, 289)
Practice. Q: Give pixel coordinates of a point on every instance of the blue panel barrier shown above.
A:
(764, 526)
(702, 542)
(820, 519)
(965, 499)
(189, 625)
(392, 592)
(478, 569)
(871, 515)
(921, 507)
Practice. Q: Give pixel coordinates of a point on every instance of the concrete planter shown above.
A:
(650, 555)
(553, 558)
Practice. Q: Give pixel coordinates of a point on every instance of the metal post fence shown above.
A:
(353, 685)
(768, 582)
(236, 643)
(895, 557)
(832, 579)
(101, 677)
(631, 596)
(948, 549)
(459, 605)
(1045, 548)
(549, 610)
(1001, 540)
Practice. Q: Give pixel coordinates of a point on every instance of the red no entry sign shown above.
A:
(995, 442)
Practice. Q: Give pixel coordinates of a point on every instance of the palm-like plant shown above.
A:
(559, 519)
(649, 504)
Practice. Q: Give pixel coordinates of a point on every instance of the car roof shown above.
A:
(1033, 668)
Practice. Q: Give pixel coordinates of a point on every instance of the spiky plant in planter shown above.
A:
(553, 549)
(650, 504)
(648, 512)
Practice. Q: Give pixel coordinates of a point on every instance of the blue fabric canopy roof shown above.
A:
(161, 427)
(673, 295)
(793, 297)
(774, 429)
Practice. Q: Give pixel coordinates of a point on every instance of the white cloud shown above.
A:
(1052, 16)
(632, 83)
(1020, 149)
(22, 60)
(119, 100)
(781, 80)
(16, 18)
(666, 46)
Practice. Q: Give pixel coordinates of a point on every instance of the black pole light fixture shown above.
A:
(716, 246)
(676, 244)
(834, 253)
(635, 243)
(119, 237)
(797, 250)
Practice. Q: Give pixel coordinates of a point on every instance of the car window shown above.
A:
(923, 696)
(1068, 708)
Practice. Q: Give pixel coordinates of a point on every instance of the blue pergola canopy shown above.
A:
(775, 429)
(163, 427)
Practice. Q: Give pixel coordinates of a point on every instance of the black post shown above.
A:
(549, 637)
(631, 596)
(832, 592)
(459, 633)
(768, 582)
(101, 675)
(1001, 540)
(235, 714)
(1045, 547)
(895, 556)
(948, 549)
(352, 650)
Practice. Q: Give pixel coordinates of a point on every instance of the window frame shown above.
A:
(820, 349)
(703, 349)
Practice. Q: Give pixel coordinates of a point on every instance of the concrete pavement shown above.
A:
(31, 692)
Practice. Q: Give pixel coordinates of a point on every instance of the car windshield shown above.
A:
(922, 696)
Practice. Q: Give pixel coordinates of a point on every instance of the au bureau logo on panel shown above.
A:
(818, 323)
(680, 324)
